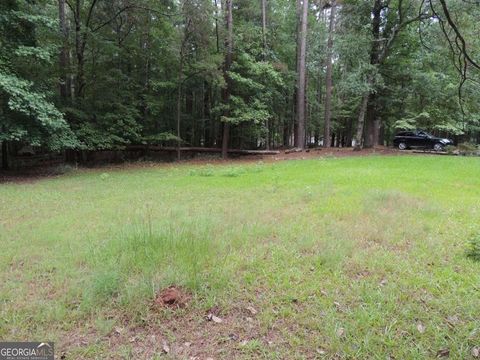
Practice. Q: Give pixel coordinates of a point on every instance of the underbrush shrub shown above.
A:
(451, 150)
(473, 248)
(468, 149)
(62, 169)
(464, 149)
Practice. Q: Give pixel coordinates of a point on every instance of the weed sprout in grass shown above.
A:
(473, 247)
(233, 172)
(205, 171)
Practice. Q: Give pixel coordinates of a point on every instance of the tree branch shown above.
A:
(462, 46)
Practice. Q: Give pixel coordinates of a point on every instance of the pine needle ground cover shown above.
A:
(323, 258)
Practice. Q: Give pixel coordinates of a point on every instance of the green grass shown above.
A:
(342, 258)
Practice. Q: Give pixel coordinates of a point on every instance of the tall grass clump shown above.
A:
(130, 268)
(473, 248)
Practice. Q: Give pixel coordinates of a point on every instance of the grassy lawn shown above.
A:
(324, 258)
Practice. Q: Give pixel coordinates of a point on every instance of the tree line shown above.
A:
(252, 74)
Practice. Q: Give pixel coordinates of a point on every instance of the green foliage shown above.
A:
(425, 120)
(39, 123)
(257, 87)
(27, 114)
(161, 138)
(468, 147)
(450, 149)
(22, 99)
(127, 63)
(45, 54)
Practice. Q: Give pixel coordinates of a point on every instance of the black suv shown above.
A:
(420, 139)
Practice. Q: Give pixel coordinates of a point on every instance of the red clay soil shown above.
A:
(172, 297)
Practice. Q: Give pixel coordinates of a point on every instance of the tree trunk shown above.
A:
(217, 35)
(294, 128)
(189, 96)
(225, 139)
(370, 124)
(286, 123)
(179, 110)
(301, 76)
(264, 41)
(145, 45)
(179, 95)
(226, 69)
(79, 49)
(207, 123)
(264, 28)
(369, 130)
(360, 124)
(328, 87)
(64, 53)
(5, 164)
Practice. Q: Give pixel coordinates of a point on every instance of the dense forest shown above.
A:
(79, 75)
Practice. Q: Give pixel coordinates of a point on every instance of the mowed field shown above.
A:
(335, 258)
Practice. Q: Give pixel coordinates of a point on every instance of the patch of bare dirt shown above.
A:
(181, 334)
(26, 176)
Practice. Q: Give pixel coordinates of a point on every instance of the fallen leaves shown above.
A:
(339, 307)
(420, 328)
(214, 318)
(244, 343)
(452, 321)
(340, 332)
(252, 310)
(443, 353)
(165, 348)
(476, 352)
(233, 337)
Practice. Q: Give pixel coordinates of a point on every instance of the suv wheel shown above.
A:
(402, 146)
(438, 147)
